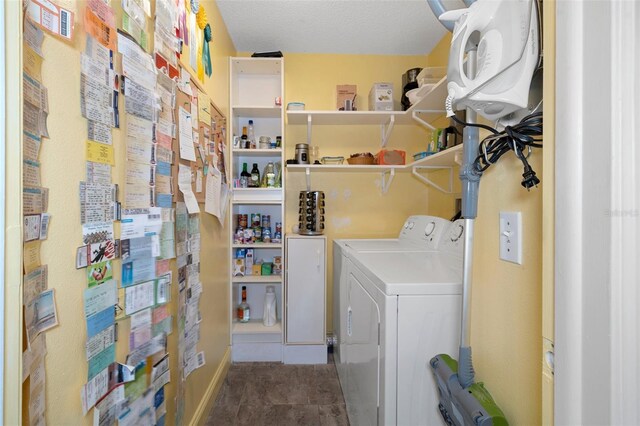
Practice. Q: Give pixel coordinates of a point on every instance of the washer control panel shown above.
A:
(426, 231)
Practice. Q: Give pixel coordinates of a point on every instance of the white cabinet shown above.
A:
(305, 331)
(256, 93)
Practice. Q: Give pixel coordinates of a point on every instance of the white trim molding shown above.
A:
(597, 326)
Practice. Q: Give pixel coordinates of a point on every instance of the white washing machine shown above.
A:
(400, 309)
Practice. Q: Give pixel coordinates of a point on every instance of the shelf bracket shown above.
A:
(428, 181)
(386, 130)
(415, 115)
(309, 122)
(307, 173)
(386, 183)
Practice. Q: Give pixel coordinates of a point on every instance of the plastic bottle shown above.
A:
(251, 135)
(245, 177)
(254, 182)
(269, 316)
(244, 312)
(269, 176)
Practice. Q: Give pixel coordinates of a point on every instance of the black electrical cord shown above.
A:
(521, 137)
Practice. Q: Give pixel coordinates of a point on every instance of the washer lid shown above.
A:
(392, 244)
(412, 273)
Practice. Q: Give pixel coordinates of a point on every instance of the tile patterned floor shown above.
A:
(277, 394)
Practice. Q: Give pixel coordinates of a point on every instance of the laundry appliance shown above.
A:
(399, 308)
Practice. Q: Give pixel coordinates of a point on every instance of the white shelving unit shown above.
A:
(255, 83)
(429, 108)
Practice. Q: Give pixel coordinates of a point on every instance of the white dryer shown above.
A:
(400, 309)
(418, 233)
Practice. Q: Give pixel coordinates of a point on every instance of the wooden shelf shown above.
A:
(258, 279)
(342, 168)
(347, 117)
(259, 245)
(257, 111)
(267, 66)
(255, 327)
(258, 194)
(276, 152)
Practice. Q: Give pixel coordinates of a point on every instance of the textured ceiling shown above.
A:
(385, 27)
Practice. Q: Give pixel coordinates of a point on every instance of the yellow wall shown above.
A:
(63, 166)
(355, 206)
(506, 298)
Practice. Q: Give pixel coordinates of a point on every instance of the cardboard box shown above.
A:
(381, 97)
(277, 265)
(257, 269)
(345, 92)
(238, 267)
(266, 268)
(249, 261)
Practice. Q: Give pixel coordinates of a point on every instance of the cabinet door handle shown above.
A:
(318, 259)
(349, 321)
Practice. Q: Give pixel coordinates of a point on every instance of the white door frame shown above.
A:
(597, 326)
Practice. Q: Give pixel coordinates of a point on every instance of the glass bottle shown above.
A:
(269, 176)
(254, 182)
(244, 141)
(245, 176)
(244, 312)
(252, 135)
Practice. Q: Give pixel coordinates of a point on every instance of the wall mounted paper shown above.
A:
(34, 283)
(135, 11)
(187, 151)
(140, 248)
(31, 227)
(94, 389)
(99, 298)
(139, 297)
(140, 328)
(164, 200)
(30, 146)
(140, 173)
(104, 412)
(100, 321)
(155, 345)
(31, 173)
(136, 271)
(184, 183)
(204, 108)
(33, 36)
(96, 202)
(31, 256)
(131, 50)
(100, 30)
(37, 404)
(138, 196)
(136, 32)
(35, 200)
(98, 173)
(142, 76)
(139, 128)
(45, 219)
(163, 289)
(96, 232)
(101, 252)
(101, 361)
(140, 223)
(95, 70)
(165, 326)
(139, 150)
(40, 314)
(139, 100)
(100, 342)
(51, 18)
(99, 132)
(99, 273)
(96, 101)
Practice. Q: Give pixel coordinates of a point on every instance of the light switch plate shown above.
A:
(511, 237)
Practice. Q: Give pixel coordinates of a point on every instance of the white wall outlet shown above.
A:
(511, 237)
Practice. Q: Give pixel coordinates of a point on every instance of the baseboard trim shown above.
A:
(206, 404)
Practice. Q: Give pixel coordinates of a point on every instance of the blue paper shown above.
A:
(137, 271)
(163, 168)
(164, 200)
(98, 322)
(158, 398)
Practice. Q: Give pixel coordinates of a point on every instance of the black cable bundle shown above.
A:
(524, 136)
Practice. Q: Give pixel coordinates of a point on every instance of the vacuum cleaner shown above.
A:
(494, 53)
